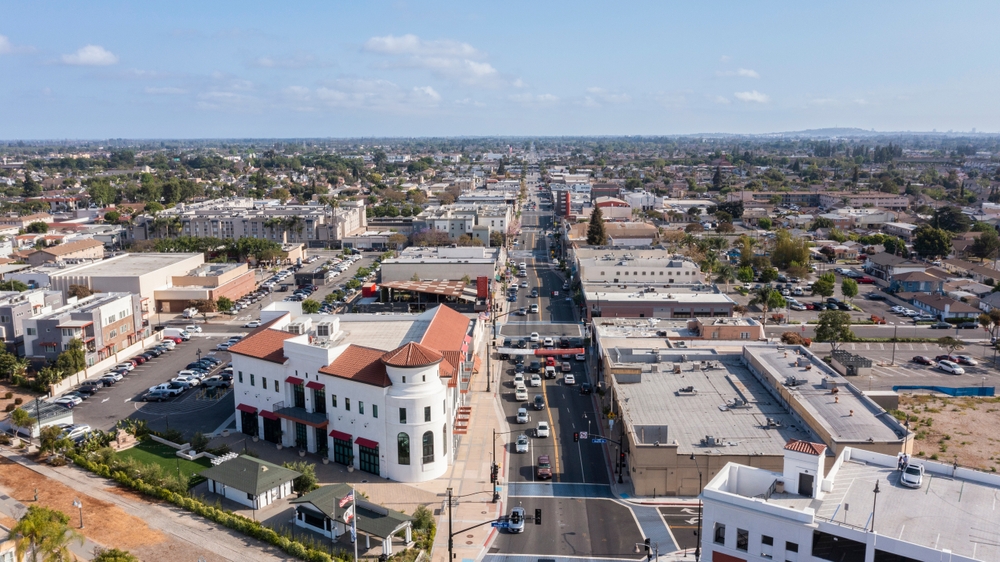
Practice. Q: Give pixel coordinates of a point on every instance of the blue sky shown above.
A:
(179, 69)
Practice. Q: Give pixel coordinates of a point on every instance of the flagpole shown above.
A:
(354, 523)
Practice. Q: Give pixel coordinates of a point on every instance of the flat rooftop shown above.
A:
(125, 265)
(740, 428)
(813, 393)
(384, 331)
(671, 294)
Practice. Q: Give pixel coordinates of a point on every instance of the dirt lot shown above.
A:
(24, 395)
(105, 523)
(965, 429)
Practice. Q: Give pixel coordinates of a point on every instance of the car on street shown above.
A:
(923, 360)
(515, 523)
(535, 380)
(585, 388)
(522, 415)
(581, 357)
(534, 336)
(534, 367)
(912, 476)
(544, 470)
(521, 445)
(969, 325)
(67, 401)
(566, 367)
(941, 326)
(548, 342)
(569, 379)
(542, 430)
(539, 402)
(875, 296)
(950, 367)
(519, 368)
(966, 360)
(252, 324)
(518, 379)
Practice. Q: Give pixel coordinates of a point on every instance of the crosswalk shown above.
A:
(888, 347)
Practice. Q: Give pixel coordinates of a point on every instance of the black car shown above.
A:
(941, 326)
(875, 297)
(212, 360)
(969, 325)
(534, 367)
(148, 356)
(843, 306)
(88, 389)
(521, 344)
(585, 388)
(519, 368)
(519, 360)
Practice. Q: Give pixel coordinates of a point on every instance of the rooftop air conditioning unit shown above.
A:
(297, 328)
(324, 329)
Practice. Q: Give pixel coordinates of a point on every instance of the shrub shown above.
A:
(8, 395)
(18, 401)
(9, 408)
(791, 338)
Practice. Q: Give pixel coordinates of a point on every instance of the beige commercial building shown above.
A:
(75, 250)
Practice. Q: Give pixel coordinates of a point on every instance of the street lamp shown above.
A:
(874, 503)
(697, 547)
(894, 328)
(79, 505)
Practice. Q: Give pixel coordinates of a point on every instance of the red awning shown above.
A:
(268, 415)
(294, 380)
(49, 344)
(315, 385)
(247, 409)
(340, 435)
(366, 443)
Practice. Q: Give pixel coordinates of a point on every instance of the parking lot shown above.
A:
(194, 410)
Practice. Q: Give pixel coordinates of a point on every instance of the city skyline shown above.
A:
(444, 69)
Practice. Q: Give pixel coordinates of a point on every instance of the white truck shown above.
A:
(190, 312)
(177, 333)
(166, 387)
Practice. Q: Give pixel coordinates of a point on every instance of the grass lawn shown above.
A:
(151, 452)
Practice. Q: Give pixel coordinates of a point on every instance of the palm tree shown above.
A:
(709, 264)
(767, 298)
(43, 535)
(726, 274)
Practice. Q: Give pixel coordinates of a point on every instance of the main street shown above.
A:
(579, 516)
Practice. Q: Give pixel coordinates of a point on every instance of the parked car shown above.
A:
(156, 396)
(115, 375)
(79, 394)
(67, 401)
(966, 360)
(252, 324)
(950, 367)
(88, 389)
(969, 325)
(188, 380)
(192, 329)
(521, 445)
(941, 326)
(108, 379)
(951, 358)
(912, 476)
(875, 296)
(222, 346)
(128, 365)
(923, 360)
(217, 382)
(169, 388)
(866, 280)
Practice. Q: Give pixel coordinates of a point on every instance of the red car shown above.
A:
(138, 360)
(866, 280)
(924, 360)
(175, 339)
(951, 358)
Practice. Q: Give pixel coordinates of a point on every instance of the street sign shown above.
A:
(583, 435)
(598, 440)
(500, 524)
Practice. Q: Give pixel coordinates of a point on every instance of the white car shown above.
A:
(522, 415)
(192, 328)
(521, 445)
(569, 379)
(548, 342)
(581, 357)
(912, 476)
(67, 401)
(542, 430)
(128, 366)
(518, 380)
(897, 309)
(252, 324)
(188, 380)
(949, 367)
(534, 337)
(169, 344)
(535, 380)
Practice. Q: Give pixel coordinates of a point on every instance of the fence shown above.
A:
(952, 391)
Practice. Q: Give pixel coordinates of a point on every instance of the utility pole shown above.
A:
(451, 540)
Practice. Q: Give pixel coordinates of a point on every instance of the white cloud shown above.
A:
(605, 96)
(722, 100)
(533, 99)
(469, 102)
(294, 61)
(752, 96)
(724, 58)
(861, 101)
(165, 91)
(446, 59)
(742, 73)
(362, 94)
(412, 45)
(91, 55)
(427, 92)
(5, 46)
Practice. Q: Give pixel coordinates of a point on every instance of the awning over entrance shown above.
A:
(366, 443)
(293, 380)
(315, 385)
(267, 415)
(247, 409)
(340, 435)
(301, 415)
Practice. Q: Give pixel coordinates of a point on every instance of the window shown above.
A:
(403, 448)
(444, 433)
(347, 404)
(31, 331)
(720, 534)
(444, 407)
(423, 378)
(374, 410)
(742, 539)
(402, 415)
(428, 444)
(276, 385)
(333, 400)
(319, 401)
(251, 379)
(766, 547)
(791, 546)
(766, 540)
(240, 374)
(427, 413)
(361, 407)
(404, 379)
(263, 383)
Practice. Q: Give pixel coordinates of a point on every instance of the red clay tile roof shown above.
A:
(412, 355)
(361, 364)
(264, 343)
(74, 246)
(800, 446)
(449, 367)
(446, 331)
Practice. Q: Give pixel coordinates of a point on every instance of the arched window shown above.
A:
(428, 447)
(403, 448)
(444, 432)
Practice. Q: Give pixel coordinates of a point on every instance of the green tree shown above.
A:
(115, 555)
(13, 285)
(21, 419)
(725, 273)
(37, 227)
(224, 304)
(824, 285)
(52, 439)
(355, 284)
(73, 359)
(764, 223)
(951, 344)
(596, 236)
(31, 187)
(308, 481)
(745, 274)
(951, 219)
(849, 287)
(896, 246)
(496, 239)
(986, 245)
(101, 192)
(153, 207)
(822, 222)
(112, 216)
(834, 327)
(768, 274)
(43, 535)
(281, 194)
(930, 242)
(788, 249)
(310, 306)
(767, 298)
(11, 366)
(79, 291)
(735, 209)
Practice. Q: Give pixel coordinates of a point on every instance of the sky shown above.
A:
(102, 69)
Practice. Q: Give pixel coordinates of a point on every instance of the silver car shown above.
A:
(521, 445)
(912, 476)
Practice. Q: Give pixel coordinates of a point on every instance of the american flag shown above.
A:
(347, 499)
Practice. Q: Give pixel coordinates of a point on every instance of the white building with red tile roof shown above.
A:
(378, 393)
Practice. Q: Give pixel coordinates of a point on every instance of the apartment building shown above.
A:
(24, 220)
(315, 226)
(105, 322)
(16, 307)
(475, 220)
(866, 199)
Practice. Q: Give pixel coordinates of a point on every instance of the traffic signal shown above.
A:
(493, 473)
(515, 517)
(576, 436)
(538, 516)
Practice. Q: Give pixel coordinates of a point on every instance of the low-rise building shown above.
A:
(620, 234)
(320, 511)
(443, 263)
(864, 199)
(106, 323)
(903, 230)
(69, 252)
(16, 307)
(250, 481)
(23, 221)
(885, 266)
(474, 220)
(943, 307)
